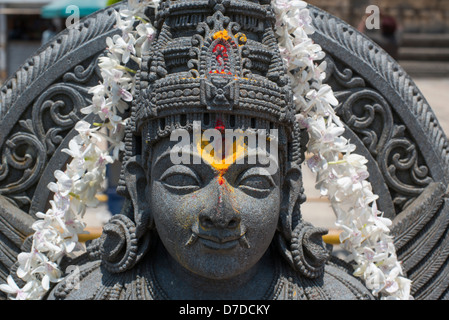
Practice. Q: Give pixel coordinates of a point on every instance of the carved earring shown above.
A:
(308, 250)
(125, 240)
(120, 249)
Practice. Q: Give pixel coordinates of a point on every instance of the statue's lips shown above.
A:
(218, 243)
(211, 244)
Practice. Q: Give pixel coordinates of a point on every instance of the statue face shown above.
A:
(215, 221)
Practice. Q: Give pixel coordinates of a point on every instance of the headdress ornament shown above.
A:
(214, 61)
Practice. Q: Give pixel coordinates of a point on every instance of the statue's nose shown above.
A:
(221, 214)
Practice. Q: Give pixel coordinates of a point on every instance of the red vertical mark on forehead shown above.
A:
(219, 125)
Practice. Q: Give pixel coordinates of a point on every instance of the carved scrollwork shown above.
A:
(345, 77)
(399, 163)
(382, 72)
(23, 159)
(35, 139)
(56, 111)
(368, 114)
(82, 74)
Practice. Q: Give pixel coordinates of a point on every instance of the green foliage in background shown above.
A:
(111, 2)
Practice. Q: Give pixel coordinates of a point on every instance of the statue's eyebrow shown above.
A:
(167, 154)
(191, 154)
(257, 153)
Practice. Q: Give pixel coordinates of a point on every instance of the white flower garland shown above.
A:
(342, 179)
(56, 233)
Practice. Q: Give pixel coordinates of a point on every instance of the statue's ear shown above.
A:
(292, 197)
(137, 182)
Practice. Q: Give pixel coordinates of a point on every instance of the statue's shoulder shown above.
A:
(335, 283)
(81, 282)
(340, 283)
(88, 277)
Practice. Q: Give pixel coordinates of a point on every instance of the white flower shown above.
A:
(319, 72)
(118, 93)
(403, 289)
(326, 139)
(147, 33)
(86, 133)
(317, 163)
(129, 49)
(46, 239)
(126, 25)
(98, 90)
(305, 21)
(75, 150)
(63, 185)
(114, 75)
(354, 235)
(98, 104)
(287, 4)
(27, 262)
(12, 288)
(375, 278)
(121, 47)
(87, 188)
(105, 63)
(49, 272)
(138, 6)
(321, 100)
(302, 121)
(378, 221)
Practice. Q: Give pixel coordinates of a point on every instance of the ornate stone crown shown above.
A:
(213, 60)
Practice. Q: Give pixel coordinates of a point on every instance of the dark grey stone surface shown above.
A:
(167, 243)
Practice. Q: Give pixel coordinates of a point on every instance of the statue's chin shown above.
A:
(220, 263)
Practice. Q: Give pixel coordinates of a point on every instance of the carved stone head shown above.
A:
(213, 71)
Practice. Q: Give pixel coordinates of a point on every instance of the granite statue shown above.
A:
(198, 230)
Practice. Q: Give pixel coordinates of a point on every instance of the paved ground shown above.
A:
(317, 209)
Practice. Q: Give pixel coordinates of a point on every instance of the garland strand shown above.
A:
(341, 178)
(56, 233)
(341, 174)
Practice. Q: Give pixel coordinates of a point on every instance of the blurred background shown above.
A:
(414, 32)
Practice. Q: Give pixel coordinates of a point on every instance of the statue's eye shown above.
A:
(255, 180)
(180, 178)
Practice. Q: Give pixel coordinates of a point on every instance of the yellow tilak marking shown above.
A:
(221, 165)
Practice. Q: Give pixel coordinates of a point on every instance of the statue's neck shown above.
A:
(179, 283)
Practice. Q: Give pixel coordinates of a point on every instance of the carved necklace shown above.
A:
(150, 287)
